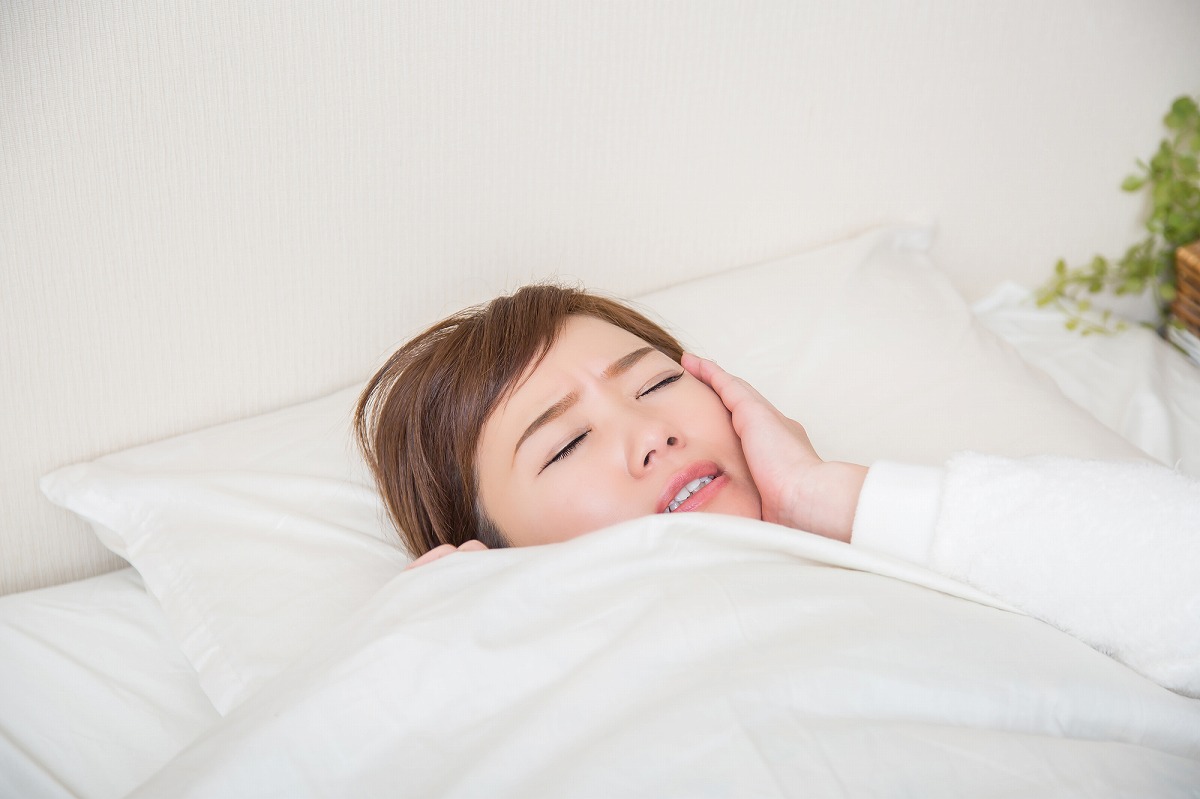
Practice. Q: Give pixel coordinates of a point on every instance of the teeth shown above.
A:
(687, 491)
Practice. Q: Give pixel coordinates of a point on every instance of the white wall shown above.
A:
(212, 209)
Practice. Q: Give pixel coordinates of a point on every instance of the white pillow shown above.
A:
(1132, 381)
(259, 536)
(256, 536)
(870, 347)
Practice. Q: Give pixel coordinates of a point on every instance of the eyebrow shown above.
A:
(614, 369)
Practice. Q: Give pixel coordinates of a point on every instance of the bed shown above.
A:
(217, 221)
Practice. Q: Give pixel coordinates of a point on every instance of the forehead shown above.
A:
(583, 339)
(585, 346)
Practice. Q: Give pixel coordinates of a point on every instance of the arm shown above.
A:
(1106, 551)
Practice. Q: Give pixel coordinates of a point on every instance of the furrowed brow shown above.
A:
(617, 367)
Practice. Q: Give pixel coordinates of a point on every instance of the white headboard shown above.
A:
(208, 210)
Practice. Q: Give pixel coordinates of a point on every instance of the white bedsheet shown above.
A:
(694, 656)
(94, 693)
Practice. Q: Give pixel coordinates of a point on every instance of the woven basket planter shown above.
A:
(1186, 307)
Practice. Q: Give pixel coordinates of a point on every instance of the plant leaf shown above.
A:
(1133, 183)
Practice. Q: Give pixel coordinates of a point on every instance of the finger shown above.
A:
(434, 554)
(472, 546)
(731, 389)
(707, 372)
(700, 368)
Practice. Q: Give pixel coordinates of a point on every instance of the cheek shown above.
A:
(582, 501)
(579, 499)
(709, 415)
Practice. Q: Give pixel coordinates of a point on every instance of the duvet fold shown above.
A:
(695, 655)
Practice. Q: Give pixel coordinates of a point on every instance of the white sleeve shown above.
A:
(1106, 551)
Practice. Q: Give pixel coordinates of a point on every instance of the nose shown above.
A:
(653, 444)
(646, 434)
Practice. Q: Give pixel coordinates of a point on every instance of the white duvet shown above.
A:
(694, 655)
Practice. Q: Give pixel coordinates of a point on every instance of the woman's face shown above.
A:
(605, 429)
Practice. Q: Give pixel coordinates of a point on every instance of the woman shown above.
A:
(552, 413)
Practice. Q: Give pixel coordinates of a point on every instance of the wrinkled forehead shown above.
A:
(582, 343)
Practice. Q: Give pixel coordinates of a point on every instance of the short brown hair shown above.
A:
(420, 417)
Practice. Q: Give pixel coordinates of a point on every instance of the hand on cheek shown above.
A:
(798, 489)
(438, 553)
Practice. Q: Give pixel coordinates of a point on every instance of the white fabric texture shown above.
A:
(260, 535)
(1131, 381)
(1107, 551)
(897, 510)
(256, 537)
(694, 655)
(94, 692)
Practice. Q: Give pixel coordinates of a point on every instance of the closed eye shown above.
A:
(565, 451)
(575, 442)
(660, 384)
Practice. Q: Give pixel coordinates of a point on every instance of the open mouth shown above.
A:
(689, 489)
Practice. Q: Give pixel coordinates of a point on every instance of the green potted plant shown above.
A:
(1172, 177)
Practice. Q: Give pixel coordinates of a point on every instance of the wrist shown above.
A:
(827, 499)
